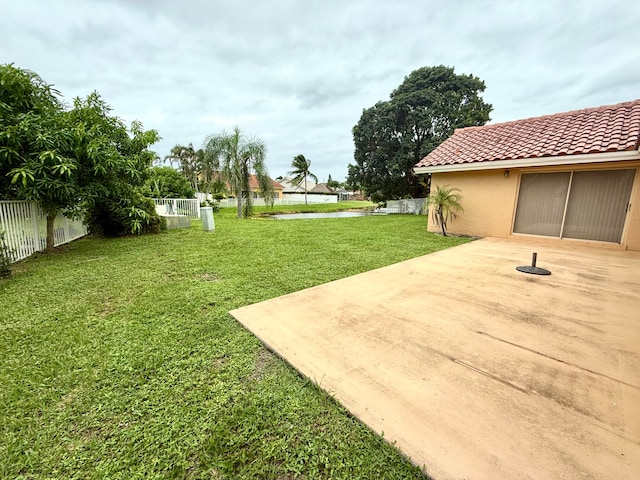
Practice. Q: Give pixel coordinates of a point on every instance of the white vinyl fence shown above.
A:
(25, 228)
(178, 206)
(407, 205)
(298, 198)
(287, 199)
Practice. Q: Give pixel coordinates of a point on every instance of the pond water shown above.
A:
(298, 216)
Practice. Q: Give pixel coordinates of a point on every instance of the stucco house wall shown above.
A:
(489, 201)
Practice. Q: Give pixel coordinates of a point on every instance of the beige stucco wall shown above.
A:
(631, 235)
(489, 201)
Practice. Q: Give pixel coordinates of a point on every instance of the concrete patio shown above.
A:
(476, 370)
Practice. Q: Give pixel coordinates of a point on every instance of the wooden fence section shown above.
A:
(25, 227)
(178, 206)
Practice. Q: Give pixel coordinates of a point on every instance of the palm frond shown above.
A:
(301, 170)
(446, 202)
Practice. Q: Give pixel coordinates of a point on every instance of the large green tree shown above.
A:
(239, 156)
(301, 171)
(29, 109)
(114, 163)
(394, 135)
(69, 159)
(36, 140)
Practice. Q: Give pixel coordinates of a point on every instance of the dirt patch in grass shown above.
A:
(208, 277)
(264, 360)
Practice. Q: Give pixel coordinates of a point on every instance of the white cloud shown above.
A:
(298, 74)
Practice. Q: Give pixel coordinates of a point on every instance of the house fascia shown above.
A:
(533, 162)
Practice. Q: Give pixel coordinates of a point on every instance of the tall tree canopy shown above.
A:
(394, 135)
(32, 132)
(167, 182)
(78, 159)
(239, 157)
(301, 170)
(189, 160)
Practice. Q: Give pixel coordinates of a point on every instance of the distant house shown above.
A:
(290, 187)
(571, 175)
(254, 186)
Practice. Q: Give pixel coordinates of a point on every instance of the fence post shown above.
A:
(35, 213)
(66, 228)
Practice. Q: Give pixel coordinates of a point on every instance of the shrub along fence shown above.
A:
(178, 206)
(25, 227)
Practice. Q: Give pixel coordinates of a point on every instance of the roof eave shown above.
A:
(532, 162)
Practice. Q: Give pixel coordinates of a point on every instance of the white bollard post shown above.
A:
(206, 214)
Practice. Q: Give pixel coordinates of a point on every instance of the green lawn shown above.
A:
(119, 359)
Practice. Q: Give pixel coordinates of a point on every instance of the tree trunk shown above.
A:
(305, 190)
(442, 222)
(50, 238)
(239, 203)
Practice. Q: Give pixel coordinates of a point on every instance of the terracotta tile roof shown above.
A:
(610, 128)
(253, 183)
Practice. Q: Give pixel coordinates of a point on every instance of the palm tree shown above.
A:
(302, 170)
(239, 156)
(445, 202)
(210, 175)
(189, 161)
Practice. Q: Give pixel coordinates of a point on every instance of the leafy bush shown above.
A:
(214, 204)
(111, 217)
(5, 257)
(166, 182)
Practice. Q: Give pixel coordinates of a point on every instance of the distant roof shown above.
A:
(322, 188)
(610, 128)
(253, 183)
(289, 187)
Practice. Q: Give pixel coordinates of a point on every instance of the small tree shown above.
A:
(301, 170)
(211, 177)
(445, 202)
(238, 156)
(331, 183)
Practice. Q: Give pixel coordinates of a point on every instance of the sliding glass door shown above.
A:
(589, 205)
(541, 203)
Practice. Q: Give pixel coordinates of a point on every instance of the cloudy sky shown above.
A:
(297, 73)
